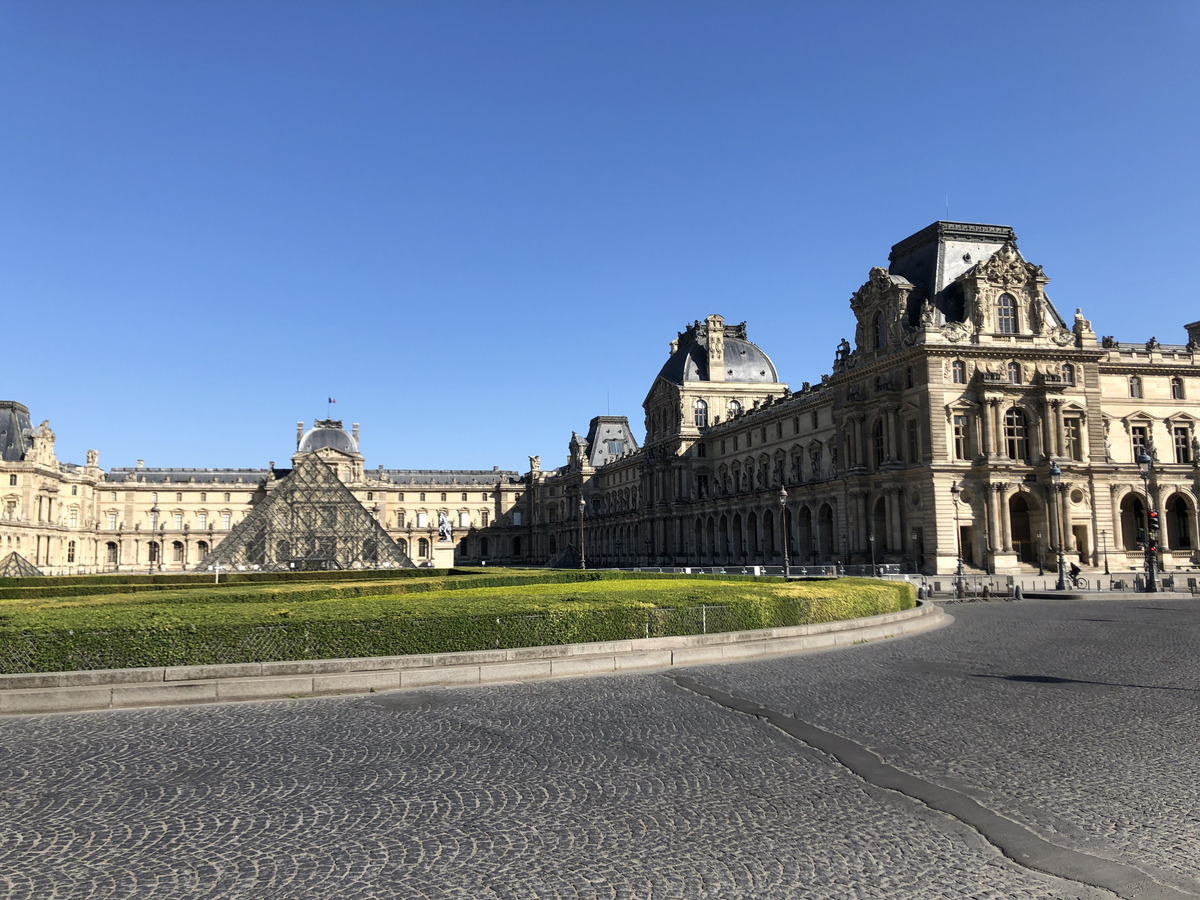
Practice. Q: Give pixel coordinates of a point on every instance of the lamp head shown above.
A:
(1055, 473)
(1144, 460)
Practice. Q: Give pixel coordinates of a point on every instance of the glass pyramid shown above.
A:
(309, 521)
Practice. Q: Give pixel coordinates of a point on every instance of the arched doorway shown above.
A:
(1180, 523)
(1020, 530)
(879, 527)
(1133, 521)
(825, 531)
(808, 553)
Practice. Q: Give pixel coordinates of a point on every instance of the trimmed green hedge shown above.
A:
(579, 608)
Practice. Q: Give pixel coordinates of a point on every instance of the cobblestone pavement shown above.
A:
(1076, 720)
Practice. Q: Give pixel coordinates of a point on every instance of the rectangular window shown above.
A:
(422, 519)
(914, 443)
(74, 490)
(12, 481)
(73, 518)
(960, 437)
(203, 497)
(201, 520)
(796, 425)
(400, 519)
(1137, 435)
(516, 517)
(815, 418)
(616, 447)
(1183, 444)
(778, 429)
(71, 552)
(722, 447)
(702, 485)
(483, 518)
(1073, 435)
(464, 520)
(764, 434)
(701, 451)
(178, 521)
(735, 446)
(225, 518)
(112, 521)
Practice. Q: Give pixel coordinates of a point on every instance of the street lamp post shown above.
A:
(1041, 568)
(582, 552)
(618, 551)
(871, 538)
(1104, 541)
(956, 493)
(783, 526)
(1056, 484)
(647, 553)
(1144, 463)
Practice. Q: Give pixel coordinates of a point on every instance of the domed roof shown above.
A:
(327, 433)
(745, 362)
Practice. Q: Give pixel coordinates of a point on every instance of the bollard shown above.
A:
(1018, 594)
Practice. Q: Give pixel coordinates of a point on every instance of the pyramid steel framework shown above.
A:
(309, 521)
(16, 566)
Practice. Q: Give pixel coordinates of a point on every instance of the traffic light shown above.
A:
(1152, 531)
(1153, 523)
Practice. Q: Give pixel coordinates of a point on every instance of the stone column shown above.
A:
(1060, 429)
(985, 421)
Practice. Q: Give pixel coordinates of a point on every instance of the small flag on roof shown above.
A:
(331, 400)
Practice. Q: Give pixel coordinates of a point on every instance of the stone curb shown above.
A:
(168, 686)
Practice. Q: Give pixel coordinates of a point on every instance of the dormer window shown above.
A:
(700, 414)
(734, 408)
(1135, 387)
(1014, 373)
(1177, 388)
(1068, 373)
(1006, 314)
(958, 371)
(879, 331)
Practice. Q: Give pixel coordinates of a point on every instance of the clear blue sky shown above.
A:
(476, 225)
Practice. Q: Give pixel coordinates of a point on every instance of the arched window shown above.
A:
(422, 547)
(1068, 373)
(1006, 314)
(734, 408)
(110, 552)
(483, 546)
(700, 413)
(1176, 388)
(959, 370)
(153, 551)
(1016, 435)
(879, 329)
(1135, 386)
(202, 549)
(1014, 373)
(177, 552)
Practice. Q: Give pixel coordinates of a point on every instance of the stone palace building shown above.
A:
(962, 374)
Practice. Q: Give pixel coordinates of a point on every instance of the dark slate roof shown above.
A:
(745, 362)
(602, 432)
(465, 477)
(327, 433)
(186, 476)
(14, 430)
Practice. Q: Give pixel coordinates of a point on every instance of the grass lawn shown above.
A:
(306, 619)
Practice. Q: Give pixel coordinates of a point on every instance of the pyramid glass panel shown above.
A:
(309, 521)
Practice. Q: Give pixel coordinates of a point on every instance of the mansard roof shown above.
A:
(745, 361)
(15, 428)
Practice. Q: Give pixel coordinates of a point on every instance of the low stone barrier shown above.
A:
(166, 686)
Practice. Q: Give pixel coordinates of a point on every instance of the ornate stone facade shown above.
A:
(962, 373)
(69, 519)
